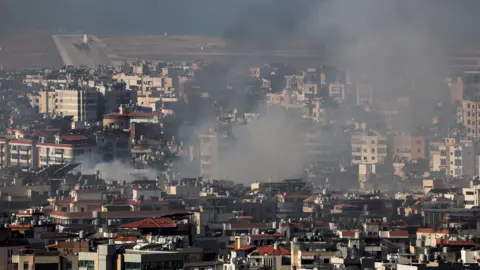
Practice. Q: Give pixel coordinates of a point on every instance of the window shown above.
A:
(373, 150)
(90, 265)
(25, 266)
(132, 266)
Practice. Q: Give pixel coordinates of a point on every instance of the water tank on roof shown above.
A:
(274, 225)
(81, 234)
(33, 222)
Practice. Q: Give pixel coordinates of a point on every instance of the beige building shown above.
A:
(62, 153)
(364, 95)
(469, 116)
(455, 158)
(408, 147)
(429, 184)
(22, 153)
(368, 148)
(82, 104)
(337, 92)
(106, 258)
(146, 83)
(47, 260)
(209, 153)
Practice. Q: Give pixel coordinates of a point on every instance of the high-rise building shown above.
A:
(82, 104)
(369, 148)
(469, 116)
(455, 157)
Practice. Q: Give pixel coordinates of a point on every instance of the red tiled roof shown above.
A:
(292, 224)
(151, 223)
(21, 142)
(59, 145)
(348, 233)
(295, 196)
(269, 250)
(24, 214)
(246, 247)
(157, 213)
(19, 227)
(245, 217)
(322, 224)
(125, 239)
(311, 199)
(241, 225)
(455, 242)
(399, 233)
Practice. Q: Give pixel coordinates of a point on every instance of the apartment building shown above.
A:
(368, 148)
(63, 153)
(81, 104)
(455, 157)
(364, 95)
(209, 153)
(23, 153)
(146, 83)
(468, 114)
(4, 153)
(337, 92)
(408, 147)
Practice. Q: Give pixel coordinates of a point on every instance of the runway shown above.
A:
(71, 55)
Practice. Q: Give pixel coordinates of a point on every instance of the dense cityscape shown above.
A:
(243, 151)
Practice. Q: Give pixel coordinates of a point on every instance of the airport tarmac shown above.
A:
(189, 48)
(71, 55)
(33, 50)
(28, 51)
